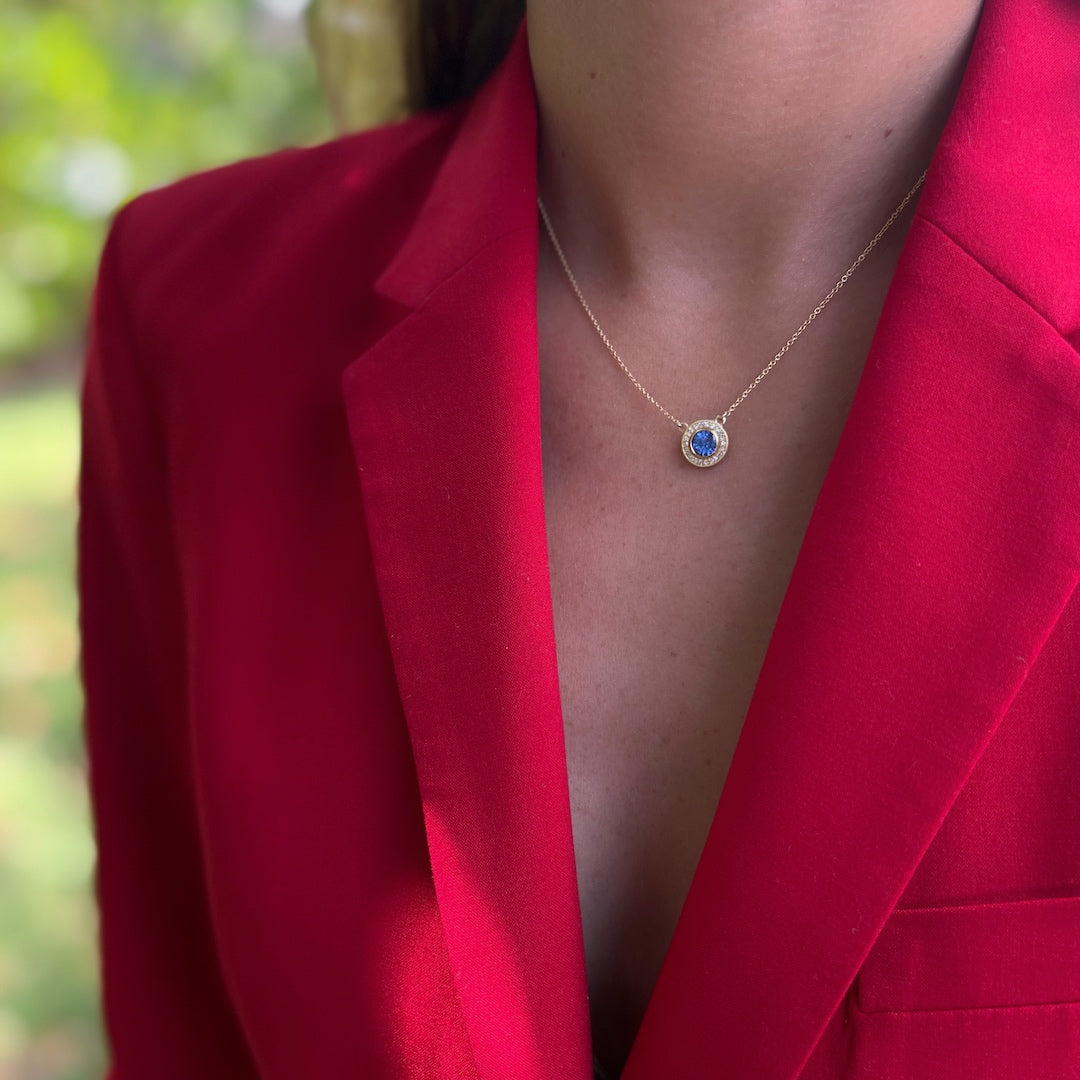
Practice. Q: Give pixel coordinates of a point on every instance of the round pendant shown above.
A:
(704, 442)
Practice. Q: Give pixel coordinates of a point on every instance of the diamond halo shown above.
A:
(704, 443)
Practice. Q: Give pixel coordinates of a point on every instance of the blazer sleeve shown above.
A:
(165, 998)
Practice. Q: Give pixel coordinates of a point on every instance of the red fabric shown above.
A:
(322, 699)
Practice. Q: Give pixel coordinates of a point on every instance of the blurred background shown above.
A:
(101, 99)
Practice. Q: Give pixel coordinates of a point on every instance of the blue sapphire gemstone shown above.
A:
(703, 443)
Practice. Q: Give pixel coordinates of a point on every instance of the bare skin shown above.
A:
(712, 168)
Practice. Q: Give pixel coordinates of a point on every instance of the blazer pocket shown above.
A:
(977, 956)
(978, 992)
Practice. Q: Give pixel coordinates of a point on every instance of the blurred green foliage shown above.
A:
(49, 1026)
(100, 99)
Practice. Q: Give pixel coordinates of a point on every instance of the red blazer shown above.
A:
(322, 701)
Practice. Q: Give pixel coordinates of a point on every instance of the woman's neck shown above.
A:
(725, 140)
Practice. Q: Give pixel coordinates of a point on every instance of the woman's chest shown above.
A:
(666, 585)
(663, 610)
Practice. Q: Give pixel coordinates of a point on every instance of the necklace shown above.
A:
(705, 442)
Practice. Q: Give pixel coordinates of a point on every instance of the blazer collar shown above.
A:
(943, 546)
(485, 189)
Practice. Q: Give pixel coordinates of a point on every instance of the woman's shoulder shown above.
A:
(231, 218)
(259, 265)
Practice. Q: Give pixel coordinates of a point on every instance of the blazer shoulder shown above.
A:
(213, 224)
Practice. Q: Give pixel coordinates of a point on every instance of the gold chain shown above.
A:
(722, 417)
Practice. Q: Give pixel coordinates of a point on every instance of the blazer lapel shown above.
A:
(444, 416)
(945, 542)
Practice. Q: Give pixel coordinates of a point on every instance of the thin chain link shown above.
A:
(722, 418)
